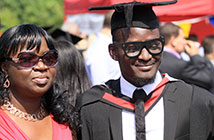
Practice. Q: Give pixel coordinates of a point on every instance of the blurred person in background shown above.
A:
(72, 28)
(71, 80)
(197, 71)
(194, 38)
(99, 64)
(88, 23)
(208, 44)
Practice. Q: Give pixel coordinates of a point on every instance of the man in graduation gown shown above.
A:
(143, 104)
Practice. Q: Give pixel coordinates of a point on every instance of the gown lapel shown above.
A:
(115, 119)
(116, 124)
(170, 112)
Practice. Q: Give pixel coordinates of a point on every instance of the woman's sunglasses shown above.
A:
(28, 60)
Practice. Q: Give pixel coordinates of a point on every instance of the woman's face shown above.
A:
(30, 82)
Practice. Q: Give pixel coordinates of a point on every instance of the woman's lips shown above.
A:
(41, 80)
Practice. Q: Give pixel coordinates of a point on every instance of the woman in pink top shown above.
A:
(27, 61)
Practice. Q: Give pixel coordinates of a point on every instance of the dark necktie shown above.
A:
(139, 97)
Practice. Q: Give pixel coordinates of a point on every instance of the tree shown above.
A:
(39, 12)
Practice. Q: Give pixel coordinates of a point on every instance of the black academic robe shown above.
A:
(188, 112)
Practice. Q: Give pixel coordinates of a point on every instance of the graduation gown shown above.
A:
(188, 112)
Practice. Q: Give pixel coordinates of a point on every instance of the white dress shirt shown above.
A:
(154, 120)
(99, 64)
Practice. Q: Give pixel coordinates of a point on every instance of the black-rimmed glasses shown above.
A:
(28, 60)
(134, 49)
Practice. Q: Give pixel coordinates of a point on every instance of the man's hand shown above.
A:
(191, 47)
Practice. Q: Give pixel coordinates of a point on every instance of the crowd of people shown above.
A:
(132, 81)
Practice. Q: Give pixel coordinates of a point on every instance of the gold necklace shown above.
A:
(24, 115)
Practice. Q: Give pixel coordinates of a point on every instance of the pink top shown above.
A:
(10, 131)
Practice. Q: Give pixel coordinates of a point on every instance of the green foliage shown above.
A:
(39, 12)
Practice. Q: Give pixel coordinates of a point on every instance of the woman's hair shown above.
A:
(70, 81)
(16, 39)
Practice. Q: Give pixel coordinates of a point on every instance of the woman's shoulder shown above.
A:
(61, 131)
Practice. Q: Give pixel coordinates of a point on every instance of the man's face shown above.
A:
(139, 70)
(179, 42)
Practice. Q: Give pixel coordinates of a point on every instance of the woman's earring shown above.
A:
(7, 83)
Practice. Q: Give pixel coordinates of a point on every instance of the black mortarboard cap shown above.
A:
(60, 34)
(134, 14)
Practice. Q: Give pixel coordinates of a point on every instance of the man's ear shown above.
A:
(113, 51)
(172, 41)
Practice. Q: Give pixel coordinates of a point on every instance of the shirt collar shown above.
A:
(172, 52)
(128, 89)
